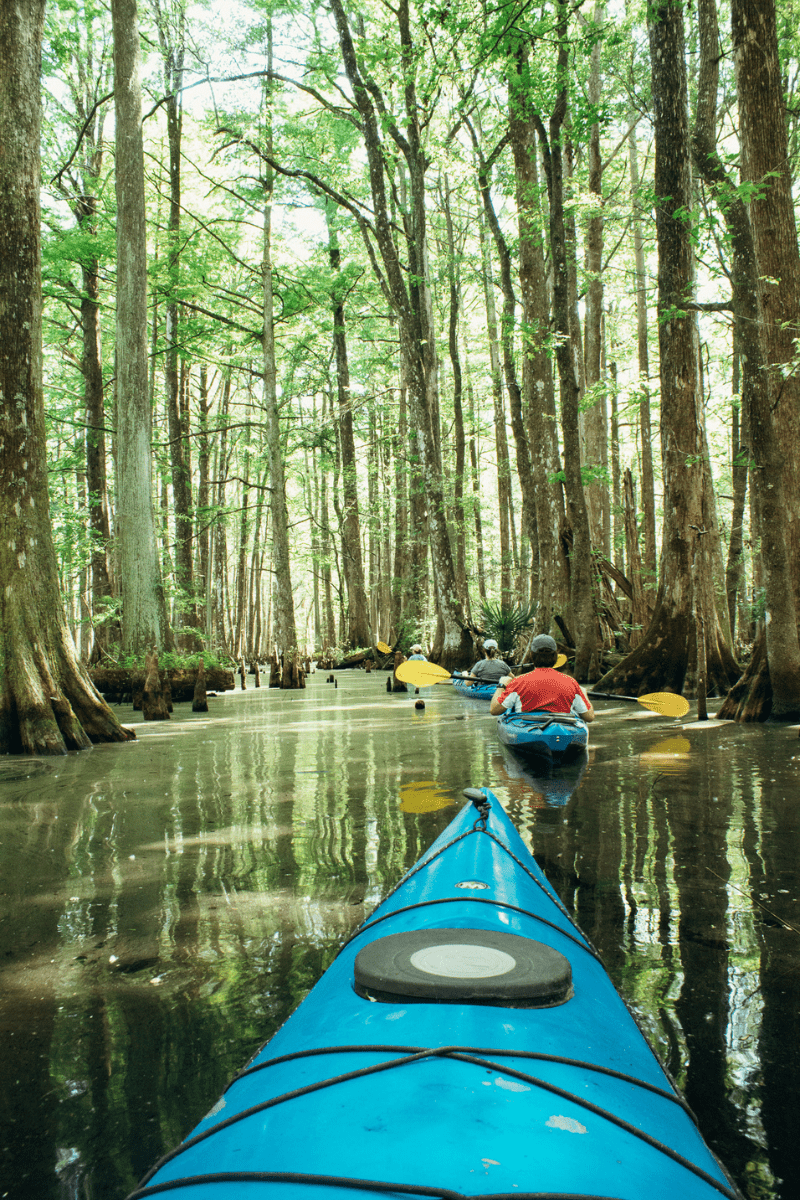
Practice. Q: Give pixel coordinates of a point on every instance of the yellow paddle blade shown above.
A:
(562, 658)
(421, 674)
(666, 703)
(384, 649)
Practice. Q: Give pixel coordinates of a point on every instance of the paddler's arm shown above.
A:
(588, 712)
(495, 707)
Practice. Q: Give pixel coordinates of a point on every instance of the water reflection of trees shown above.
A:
(254, 862)
(670, 875)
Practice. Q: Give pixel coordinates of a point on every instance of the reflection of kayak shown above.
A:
(542, 733)
(552, 782)
(466, 1042)
(478, 691)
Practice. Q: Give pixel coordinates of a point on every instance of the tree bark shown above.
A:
(583, 618)
(753, 338)
(144, 622)
(595, 411)
(500, 438)
(284, 627)
(734, 568)
(647, 485)
(552, 592)
(669, 647)
(48, 704)
(507, 327)
(459, 522)
(173, 42)
(360, 631)
(406, 286)
(766, 164)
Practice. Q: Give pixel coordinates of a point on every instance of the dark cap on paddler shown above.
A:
(543, 641)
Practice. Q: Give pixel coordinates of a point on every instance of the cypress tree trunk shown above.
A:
(669, 647)
(96, 479)
(500, 438)
(405, 279)
(459, 524)
(284, 628)
(766, 163)
(783, 652)
(47, 702)
(647, 485)
(583, 621)
(507, 326)
(144, 621)
(596, 414)
(360, 632)
(173, 48)
(552, 591)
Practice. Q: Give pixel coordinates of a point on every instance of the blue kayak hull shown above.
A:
(450, 1073)
(476, 691)
(543, 733)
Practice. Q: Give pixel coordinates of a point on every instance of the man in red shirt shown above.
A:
(543, 689)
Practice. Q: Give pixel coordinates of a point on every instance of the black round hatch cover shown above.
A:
(466, 966)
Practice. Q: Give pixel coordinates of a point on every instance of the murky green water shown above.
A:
(164, 906)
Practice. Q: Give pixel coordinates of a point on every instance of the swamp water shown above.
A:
(166, 904)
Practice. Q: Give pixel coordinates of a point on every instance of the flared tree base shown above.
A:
(666, 660)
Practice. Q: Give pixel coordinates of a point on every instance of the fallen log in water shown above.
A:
(120, 684)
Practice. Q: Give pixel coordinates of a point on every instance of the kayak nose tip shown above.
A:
(477, 796)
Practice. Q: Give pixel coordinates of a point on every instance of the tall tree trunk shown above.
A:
(219, 569)
(144, 621)
(669, 648)
(766, 163)
(202, 538)
(507, 325)
(172, 38)
(734, 568)
(284, 628)
(241, 564)
(476, 490)
(647, 484)
(753, 337)
(360, 631)
(47, 703)
(595, 415)
(582, 603)
(500, 438)
(552, 592)
(96, 479)
(407, 287)
(400, 569)
(329, 619)
(458, 414)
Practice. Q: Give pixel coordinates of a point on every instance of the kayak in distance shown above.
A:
(555, 735)
(466, 1042)
(476, 691)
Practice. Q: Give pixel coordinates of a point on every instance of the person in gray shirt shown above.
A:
(490, 669)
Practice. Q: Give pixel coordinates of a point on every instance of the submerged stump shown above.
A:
(154, 707)
(200, 698)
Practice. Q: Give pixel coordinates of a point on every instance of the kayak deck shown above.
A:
(477, 1094)
(476, 691)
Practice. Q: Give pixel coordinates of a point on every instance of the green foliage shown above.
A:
(505, 623)
(169, 660)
